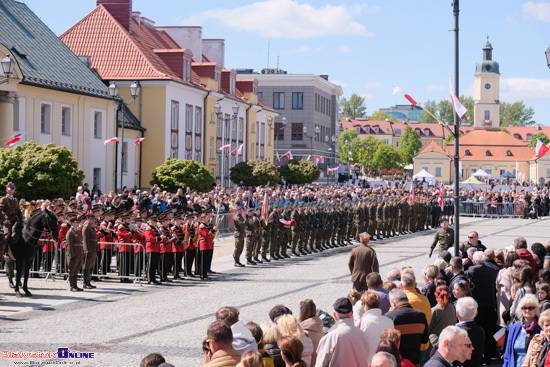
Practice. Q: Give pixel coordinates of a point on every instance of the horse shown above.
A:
(23, 250)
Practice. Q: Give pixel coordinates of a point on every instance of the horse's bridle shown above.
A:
(29, 228)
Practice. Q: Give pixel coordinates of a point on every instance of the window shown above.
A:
(252, 151)
(241, 128)
(367, 129)
(188, 118)
(297, 131)
(297, 101)
(376, 129)
(279, 131)
(437, 171)
(16, 114)
(397, 131)
(217, 166)
(45, 118)
(252, 128)
(174, 115)
(501, 171)
(96, 180)
(397, 144)
(425, 168)
(260, 96)
(98, 122)
(279, 101)
(185, 70)
(198, 120)
(66, 121)
(517, 136)
(488, 169)
(211, 148)
(358, 129)
(468, 153)
(427, 132)
(219, 127)
(234, 131)
(124, 160)
(547, 171)
(509, 153)
(488, 153)
(487, 115)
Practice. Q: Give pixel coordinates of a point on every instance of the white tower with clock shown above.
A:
(486, 91)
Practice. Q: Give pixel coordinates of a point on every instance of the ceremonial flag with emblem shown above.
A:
(459, 108)
(289, 155)
(239, 149)
(396, 90)
(440, 200)
(540, 149)
(115, 139)
(264, 207)
(138, 140)
(15, 140)
(412, 197)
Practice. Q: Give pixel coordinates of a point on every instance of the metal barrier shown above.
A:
(226, 225)
(491, 210)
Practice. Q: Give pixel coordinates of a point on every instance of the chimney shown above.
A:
(121, 10)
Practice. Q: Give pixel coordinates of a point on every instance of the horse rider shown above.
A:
(11, 218)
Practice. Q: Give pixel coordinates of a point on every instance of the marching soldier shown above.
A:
(240, 223)
(257, 233)
(190, 245)
(166, 254)
(445, 236)
(138, 236)
(178, 245)
(249, 231)
(206, 242)
(124, 237)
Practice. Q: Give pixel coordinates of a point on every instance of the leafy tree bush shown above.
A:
(540, 136)
(178, 173)
(409, 144)
(300, 172)
(40, 171)
(255, 173)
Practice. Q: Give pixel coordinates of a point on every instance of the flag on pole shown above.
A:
(396, 90)
(15, 140)
(228, 146)
(308, 158)
(459, 108)
(139, 140)
(499, 336)
(239, 149)
(412, 197)
(540, 149)
(289, 155)
(517, 169)
(115, 139)
(264, 207)
(440, 200)
(320, 159)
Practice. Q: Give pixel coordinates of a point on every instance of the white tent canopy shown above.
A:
(424, 176)
(481, 173)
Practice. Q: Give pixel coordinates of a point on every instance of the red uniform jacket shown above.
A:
(179, 233)
(105, 236)
(139, 237)
(124, 237)
(152, 238)
(166, 243)
(48, 244)
(206, 238)
(62, 228)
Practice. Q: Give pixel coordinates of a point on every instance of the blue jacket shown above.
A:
(515, 330)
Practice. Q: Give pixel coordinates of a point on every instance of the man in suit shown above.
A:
(452, 344)
(362, 262)
(466, 311)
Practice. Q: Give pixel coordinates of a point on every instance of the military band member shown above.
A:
(192, 243)
(166, 254)
(206, 243)
(178, 246)
(152, 237)
(138, 236)
(125, 240)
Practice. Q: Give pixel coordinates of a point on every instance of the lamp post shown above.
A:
(7, 67)
(317, 131)
(547, 53)
(218, 110)
(334, 140)
(135, 89)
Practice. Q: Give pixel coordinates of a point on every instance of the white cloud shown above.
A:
(515, 89)
(468, 92)
(437, 87)
(344, 49)
(289, 19)
(373, 85)
(539, 11)
(511, 19)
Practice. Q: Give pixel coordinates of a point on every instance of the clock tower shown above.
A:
(486, 91)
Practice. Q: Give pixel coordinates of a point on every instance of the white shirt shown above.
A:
(372, 324)
(344, 345)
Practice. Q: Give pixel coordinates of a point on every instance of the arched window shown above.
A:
(468, 153)
(488, 153)
(509, 153)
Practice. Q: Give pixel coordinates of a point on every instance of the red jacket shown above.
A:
(178, 243)
(124, 237)
(48, 244)
(206, 238)
(139, 237)
(105, 236)
(62, 228)
(526, 255)
(152, 237)
(166, 243)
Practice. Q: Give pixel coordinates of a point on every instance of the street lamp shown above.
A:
(333, 146)
(218, 111)
(135, 89)
(547, 53)
(317, 131)
(278, 128)
(7, 67)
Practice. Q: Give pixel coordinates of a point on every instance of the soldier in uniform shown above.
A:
(152, 248)
(178, 245)
(295, 243)
(240, 223)
(191, 239)
(257, 233)
(445, 236)
(11, 219)
(89, 240)
(286, 230)
(206, 243)
(124, 237)
(362, 262)
(249, 231)
(138, 236)
(166, 254)
(74, 250)
(273, 223)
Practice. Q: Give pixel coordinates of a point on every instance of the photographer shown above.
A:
(179, 202)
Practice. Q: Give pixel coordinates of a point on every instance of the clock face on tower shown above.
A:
(487, 86)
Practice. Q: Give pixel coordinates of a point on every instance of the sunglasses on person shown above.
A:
(528, 308)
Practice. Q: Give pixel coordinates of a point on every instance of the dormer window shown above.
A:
(427, 132)
(529, 137)
(517, 136)
(376, 129)
(358, 129)
(488, 153)
(468, 153)
(232, 86)
(418, 131)
(367, 129)
(509, 153)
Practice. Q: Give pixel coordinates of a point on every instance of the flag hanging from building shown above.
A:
(115, 140)
(540, 149)
(139, 140)
(319, 160)
(289, 155)
(459, 108)
(228, 146)
(15, 140)
(396, 90)
(239, 149)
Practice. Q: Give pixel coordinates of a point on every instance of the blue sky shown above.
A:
(364, 46)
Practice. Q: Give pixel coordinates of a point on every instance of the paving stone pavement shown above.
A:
(121, 323)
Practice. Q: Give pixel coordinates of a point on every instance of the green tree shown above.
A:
(300, 172)
(177, 173)
(353, 107)
(409, 144)
(450, 137)
(516, 114)
(351, 136)
(255, 173)
(386, 157)
(381, 116)
(445, 111)
(426, 118)
(540, 136)
(468, 102)
(40, 171)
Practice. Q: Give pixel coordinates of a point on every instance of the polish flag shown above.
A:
(409, 98)
(138, 141)
(320, 159)
(540, 149)
(228, 146)
(278, 158)
(440, 200)
(239, 149)
(264, 207)
(308, 158)
(15, 140)
(412, 197)
(499, 336)
(115, 139)
(288, 223)
(459, 108)
(289, 155)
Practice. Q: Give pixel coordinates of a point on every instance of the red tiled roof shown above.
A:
(524, 131)
(432, 147)
(385, 127)
(435, 130)
(497, 142)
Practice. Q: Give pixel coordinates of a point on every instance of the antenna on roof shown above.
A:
(268, 47)
(277, 62)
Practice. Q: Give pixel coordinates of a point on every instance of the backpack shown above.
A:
(328, 321)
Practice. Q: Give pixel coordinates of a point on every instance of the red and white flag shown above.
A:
(320, 159)
(115, 139)
(15, 139)
(459, 108)
(540, 149)
(412, 197)
(396, 90)
(264, 207)
(308, 158)
(440, 200)
(239, 149)
(228, 146)
(499, 336)
(139, 140)
(278, 158)
(289, 155)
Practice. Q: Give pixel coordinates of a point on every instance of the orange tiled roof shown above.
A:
(424, 130)
(497, 142)
(432, 147)
(524, 132)
(385, 127)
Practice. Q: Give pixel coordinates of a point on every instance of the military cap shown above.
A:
(70, 214)
(153, 217)
(179, 213)
(82, 217)
(96, 208)
(190, 215)
(239, 207)
(270, 202)
(250, 210)
(276, 204)
(208, 211)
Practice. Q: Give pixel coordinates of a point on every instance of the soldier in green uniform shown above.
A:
(295, 230)
(445, 236)
(258, 233)
(240, 223)
(273, 223)
(249, 232)
(266, 234)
